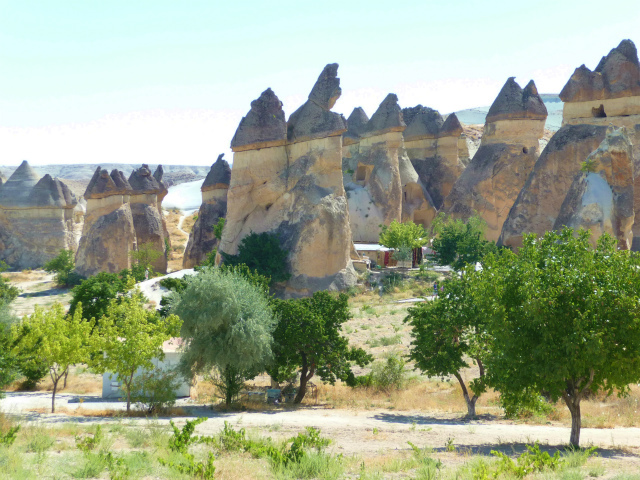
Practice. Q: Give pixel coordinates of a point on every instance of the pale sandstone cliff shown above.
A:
(601, 199)
(508, 151)
(287, 179)
(214, 190)
(38, 218)
(382, 184)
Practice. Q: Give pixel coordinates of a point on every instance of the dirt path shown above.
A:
(179, 226)
(365, 433)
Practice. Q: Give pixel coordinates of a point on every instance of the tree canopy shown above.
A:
(308, 337)
(227, 324)
(63, 266)
(566, 318)
(61, 341)
(261, 252)
(130, 337)
(397, 235)
(458, 243)
(450, 330)
(96, 293)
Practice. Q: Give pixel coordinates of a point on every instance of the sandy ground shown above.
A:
(37, 288)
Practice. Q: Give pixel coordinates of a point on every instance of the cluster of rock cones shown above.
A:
(321, 182)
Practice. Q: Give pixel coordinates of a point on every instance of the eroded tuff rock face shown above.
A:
(108, 236)
(38, 218)
(609, 95)
(436, 148)
(147, 214)
(381, 183)
(508, 151)
(214, 190)
(601, 200)
(538, 204)
(287, 179)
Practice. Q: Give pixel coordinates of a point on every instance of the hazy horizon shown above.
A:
(168, 82)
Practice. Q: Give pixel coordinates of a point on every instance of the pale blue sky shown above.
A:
(168, 81)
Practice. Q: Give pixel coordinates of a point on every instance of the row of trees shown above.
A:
(559, 319)
(232, 324)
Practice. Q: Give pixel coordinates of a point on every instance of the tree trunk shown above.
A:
(53, 397)
(471, 401)
(576, 422)
(128, 385)
(302, 390)
(66, 374)
(305, 375)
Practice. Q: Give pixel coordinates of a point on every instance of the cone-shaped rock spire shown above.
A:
(264, 125)
(388, 117)
(219, 176)
(142, 181)
(356, 123)
(314, 119)
(513, 103)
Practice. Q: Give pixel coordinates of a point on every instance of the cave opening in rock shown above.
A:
(598, 112)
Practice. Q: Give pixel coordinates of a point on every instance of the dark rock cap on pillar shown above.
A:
(451, 127)
(422, 122)
(356, 123)
(388, 117)
(514, 103)
(51, 192)
(617, 75)
(264, 125)
(219, 176)
(142, 181)
(314, 119)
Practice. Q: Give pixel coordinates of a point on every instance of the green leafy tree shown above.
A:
(218, 227)
(130, 338)
(566, 319)
(261, 252)
(458, 243)
(63, 266)
(308, 338)
(227, 324)
(8, 360)
(143, 259)
(61, 341)
(96, 294)
(397, 235)
(451, 330)
(8, 292)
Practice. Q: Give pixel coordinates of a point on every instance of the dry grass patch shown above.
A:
(432, 396)
(80, 411)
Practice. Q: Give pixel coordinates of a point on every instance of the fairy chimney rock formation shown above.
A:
(509, 148)
(287, 180)
(611, 90)
(382, 185)
(434, 147)
(609, 95)
(147, 217)
(37, 219)
(600, 198)
(108, 236)
(214, 190)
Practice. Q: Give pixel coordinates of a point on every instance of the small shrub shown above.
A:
(175, 284)
(385, 376)
(89, 443)
(7, 439)
(154, 391)
(385, 341)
